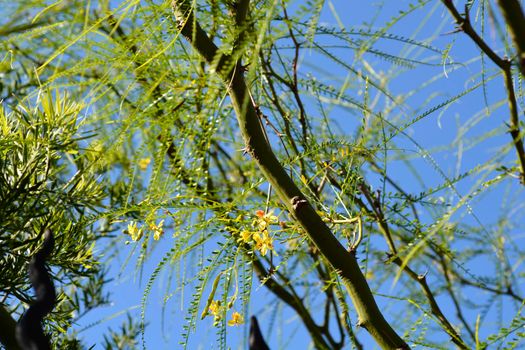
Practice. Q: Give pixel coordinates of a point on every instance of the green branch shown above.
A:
(515, 19)
(343, 261)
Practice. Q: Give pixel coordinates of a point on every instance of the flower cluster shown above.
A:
(157, 229)
(263, 220)
(215, 310)
(137, 232)
(262, 240)
(134, 231)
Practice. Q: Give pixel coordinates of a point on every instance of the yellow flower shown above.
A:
(143, 163)
(236, 320)
(263, 242)
(157, 229)
(246, 236)
(264, 220)
(215, 309)
(134, 231)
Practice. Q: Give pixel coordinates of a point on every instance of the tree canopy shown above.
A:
(350, 176)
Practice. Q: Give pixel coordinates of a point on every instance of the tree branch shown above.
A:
(370, 317)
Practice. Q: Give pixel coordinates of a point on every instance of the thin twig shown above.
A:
(455, 301)
(295, 85)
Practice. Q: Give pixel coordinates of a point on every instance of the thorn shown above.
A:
(457, 30)
(360, 323)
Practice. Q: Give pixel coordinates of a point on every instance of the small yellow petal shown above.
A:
(157, 230)
(143, 163)
(303, 179)
(236, 320)
(134, 231)
(246, 236)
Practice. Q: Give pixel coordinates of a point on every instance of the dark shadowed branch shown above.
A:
(29, 330)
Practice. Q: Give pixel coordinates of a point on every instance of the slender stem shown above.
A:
(295, 86)
(370, 317)
(514, 120)
(455, 300)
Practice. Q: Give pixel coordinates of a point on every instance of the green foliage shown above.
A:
(46, 183)
(125, 338)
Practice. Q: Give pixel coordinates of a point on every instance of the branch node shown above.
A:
(361, 324)
(389, 257)
(422, 276)
(298, 202)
